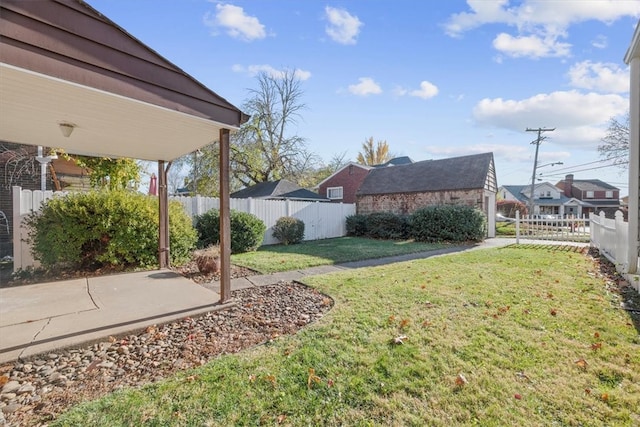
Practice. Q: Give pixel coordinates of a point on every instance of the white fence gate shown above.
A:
(322, 220)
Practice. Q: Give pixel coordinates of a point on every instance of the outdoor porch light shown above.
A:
(66, 129)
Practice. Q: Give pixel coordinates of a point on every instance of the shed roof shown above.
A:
(63, 61)
(455, 173)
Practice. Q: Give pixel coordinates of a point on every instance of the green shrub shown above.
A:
(247, 230)
(451, 223)
(289, 230)
(386, 225)
(356, 225)
(106, 228)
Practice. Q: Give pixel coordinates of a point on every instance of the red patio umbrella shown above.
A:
(153, 185)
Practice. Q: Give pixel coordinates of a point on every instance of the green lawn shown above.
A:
(274, 258)
(513, 336)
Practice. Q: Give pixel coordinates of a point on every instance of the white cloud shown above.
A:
(530, 46)
(539, 24)
(580, 119)
(598, 76)
(236, 22)
(367, 86)
(600, 42)
(343, 27)
(427, 90)
(256, 69)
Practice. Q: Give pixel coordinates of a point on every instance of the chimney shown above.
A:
(568, 183)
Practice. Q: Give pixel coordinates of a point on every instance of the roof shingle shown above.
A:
(456, 173)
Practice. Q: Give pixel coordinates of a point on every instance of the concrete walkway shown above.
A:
(44, 317)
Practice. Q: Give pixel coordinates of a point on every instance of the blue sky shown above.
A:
(435, 79)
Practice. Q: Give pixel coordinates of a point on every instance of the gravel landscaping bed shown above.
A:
(34, 392)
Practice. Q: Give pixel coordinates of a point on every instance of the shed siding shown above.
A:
(406, 203)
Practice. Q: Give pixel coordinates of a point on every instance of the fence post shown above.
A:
(592, 230)
(517, 227)
(621, 242)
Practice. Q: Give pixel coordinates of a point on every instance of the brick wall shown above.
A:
(406, 203)
(350, 178)
(18, 166)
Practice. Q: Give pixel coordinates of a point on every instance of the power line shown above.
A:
(583, 170)
(537, 142)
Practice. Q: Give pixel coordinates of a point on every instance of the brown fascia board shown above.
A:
(70, 40)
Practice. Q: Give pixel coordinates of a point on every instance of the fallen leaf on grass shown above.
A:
(312, 378)
(461, 380)
(404, 323)
(281, 418)
(271, 379)
(3, 380)
(399, 339)
(553, 311)
(517, 396)
(596, 346)
(604, 397)
(581, 363)
(596, 335)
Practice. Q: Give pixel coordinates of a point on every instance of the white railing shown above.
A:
(610, 237)
(322, 220)
(552, 228)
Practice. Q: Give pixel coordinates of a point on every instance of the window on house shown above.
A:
(608, 194)
(590, 195)
(334, 193)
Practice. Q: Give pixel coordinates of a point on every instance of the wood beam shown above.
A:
(163, 212)
(225, 219)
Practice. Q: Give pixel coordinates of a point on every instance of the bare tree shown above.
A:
(374, 154)
(615, 145)
(264, 149)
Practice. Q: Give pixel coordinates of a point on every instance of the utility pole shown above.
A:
(537, 141)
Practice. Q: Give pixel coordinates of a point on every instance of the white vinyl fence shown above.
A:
(559, 229)
(322, 220)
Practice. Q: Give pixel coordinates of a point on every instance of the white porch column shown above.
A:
(633, 59)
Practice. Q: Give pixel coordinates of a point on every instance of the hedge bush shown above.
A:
(106, 228)
(450, 223)
(356, 225)
(378, 225)
(387, 225)
(247, 230)
(289, 230)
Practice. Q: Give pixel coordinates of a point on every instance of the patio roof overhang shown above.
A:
(105, 124)
(61, 61)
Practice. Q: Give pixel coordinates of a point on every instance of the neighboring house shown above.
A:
(467, 180)
(19, 166)
(342, 185)
(278, 190)
(547, 199)
(594, 194)
(68, 176)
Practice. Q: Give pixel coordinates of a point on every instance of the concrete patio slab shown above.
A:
(52, 299)
(70, 313)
